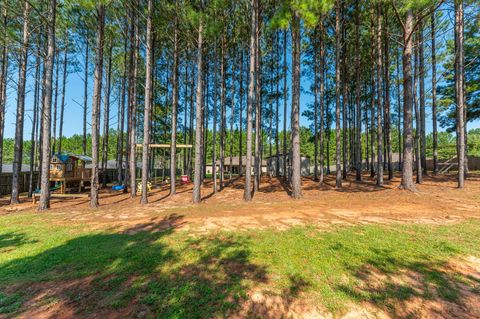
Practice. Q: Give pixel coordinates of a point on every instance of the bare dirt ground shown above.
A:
(437, 201)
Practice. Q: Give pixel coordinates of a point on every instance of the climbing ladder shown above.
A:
(446, 166)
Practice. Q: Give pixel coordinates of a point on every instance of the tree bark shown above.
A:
(250, 103)
(3, 78)
(121, 177)
(358, 139)
(222, 109)
(296, 160)
(55, 101)
(197, 182)
(64, 85)
(232, 117)
(315, 105)
(460, 93)
(258, 105)
(407, 169)
(322, 97)
(285, 94)
(379, 98)
(33, 138)
(96, 103)
(148, 106)
(277, 105)
(387, 117)
(421, 75)
(434, 98)
(106, 118)
(399, 114)
(47, 107)
(338, 63)
(240, 121)
(214, 135)
(418, 161)
(85, 97)
(132, 101)
(173, 146)
(18, 146)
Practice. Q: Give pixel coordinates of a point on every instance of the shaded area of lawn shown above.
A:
(154, 270)
(147, 272)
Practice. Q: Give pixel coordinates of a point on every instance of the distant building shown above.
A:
(8, 168)
(235, 165)
(272, 164)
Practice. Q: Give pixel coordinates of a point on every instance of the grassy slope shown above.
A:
(174, 274)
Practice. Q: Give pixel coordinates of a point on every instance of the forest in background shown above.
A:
(73, 145)
(184, 71)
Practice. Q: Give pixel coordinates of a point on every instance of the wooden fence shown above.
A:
(6, 182)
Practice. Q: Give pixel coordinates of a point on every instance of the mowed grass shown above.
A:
(174, 274)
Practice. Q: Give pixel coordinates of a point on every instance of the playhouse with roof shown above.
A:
(70, 170)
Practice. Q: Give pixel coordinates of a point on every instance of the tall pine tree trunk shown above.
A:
(85, 97)
(121, 178)
(232, 117)
(197, 182)
(277, 105)
(387, 117)
(18, 147)
(214, 133)
(64, 86)
(421, 78)
(240, 120)
(379, 98)
(148, 105)
(358, 139)
(338, 63)
(322, 98)
(55, 101)
(296, 160)
(434, 98)
(258, 106)
(173, 146)
(399, 115)
(417, 116)
(250, 103)
(315, 105)
(47, 107)
(96, 103)
(223, 115)
(460, 93)
(132, 100)
(407, 167)
(33, 140)
(106, 118)
(285, 94)
(3, 78)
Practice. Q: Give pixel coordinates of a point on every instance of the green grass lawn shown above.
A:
(173, 274)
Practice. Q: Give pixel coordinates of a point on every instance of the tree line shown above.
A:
(220, 73)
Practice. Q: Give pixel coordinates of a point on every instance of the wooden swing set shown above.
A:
(167, 147)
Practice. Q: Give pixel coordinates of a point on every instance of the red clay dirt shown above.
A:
(437, 201)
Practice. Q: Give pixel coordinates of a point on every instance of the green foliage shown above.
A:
(472, 75)
(310, 11)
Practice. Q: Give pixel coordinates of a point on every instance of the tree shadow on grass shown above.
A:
(146, 272)
(419, 287)
(12, 240)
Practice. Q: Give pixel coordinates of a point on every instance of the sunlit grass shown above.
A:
(174, 273)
